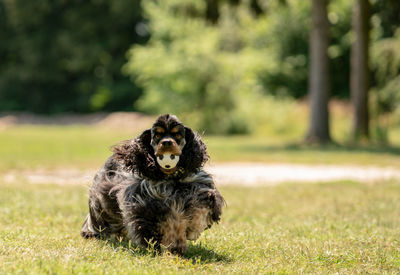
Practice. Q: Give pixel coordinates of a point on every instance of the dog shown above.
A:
(140, 194)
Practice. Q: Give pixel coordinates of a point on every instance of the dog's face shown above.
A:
(167, 149)
(168, 140)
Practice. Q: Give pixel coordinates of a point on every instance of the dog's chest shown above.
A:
(184, 224)
(186, 217)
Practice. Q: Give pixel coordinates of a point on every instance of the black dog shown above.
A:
(133, 195)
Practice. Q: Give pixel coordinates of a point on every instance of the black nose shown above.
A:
(166, 143)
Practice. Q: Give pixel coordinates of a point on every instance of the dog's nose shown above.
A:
(166, 143)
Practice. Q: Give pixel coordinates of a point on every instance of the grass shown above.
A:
(338, 227)
(279, 127)
(259, 149)
(51, 147)
(32, 147)
(343, 227)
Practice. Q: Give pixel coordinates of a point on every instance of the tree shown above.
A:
(203, 70)
(66, 56)
(319, 74)
(359, 74)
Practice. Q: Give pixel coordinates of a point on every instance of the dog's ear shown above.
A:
(194, 154)
(143, 159)
(145, 139)
(129, 150)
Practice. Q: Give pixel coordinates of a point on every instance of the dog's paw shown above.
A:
(89, 234)
(216, 203)
(178, 248)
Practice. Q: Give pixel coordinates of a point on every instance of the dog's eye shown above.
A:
(177, 135)
(172, 156)
(157, 136)
(161, 157)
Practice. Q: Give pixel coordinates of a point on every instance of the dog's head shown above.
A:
(168, 140)
(168, 149)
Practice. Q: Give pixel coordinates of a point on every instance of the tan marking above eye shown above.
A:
(159, 130)
(175, 130)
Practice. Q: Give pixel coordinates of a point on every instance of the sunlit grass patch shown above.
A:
(64, 147)
(343, 227)
(36, 147)
(259, 149)
(279, 129)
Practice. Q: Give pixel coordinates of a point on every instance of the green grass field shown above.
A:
(51, 147)
(338, 227)
(279, 129)
(342, 227)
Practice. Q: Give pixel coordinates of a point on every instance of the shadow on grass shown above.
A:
(197, 253)
(333, 147)
(200, 254)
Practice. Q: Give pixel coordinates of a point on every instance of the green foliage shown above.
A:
(194, 69)
(286, 34)
(59, 56)
(386, 64)
(386, 16)
(211, 62)
(209, 73)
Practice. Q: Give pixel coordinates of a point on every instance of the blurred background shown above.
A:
(225, 67)
(299, 92)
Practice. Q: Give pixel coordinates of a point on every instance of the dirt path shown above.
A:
(253, 174)
(232, 173)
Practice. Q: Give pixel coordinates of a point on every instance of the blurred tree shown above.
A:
(385, 64)
(202, 70)
(58, 56)
(387, 16)
(319, 74)
(360, 69)
(205, 58)
(385, 61)
(288, 33)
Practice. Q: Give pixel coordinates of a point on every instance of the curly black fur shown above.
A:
(131, 196)
(138, 156)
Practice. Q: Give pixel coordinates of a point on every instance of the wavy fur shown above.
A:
(132, 197)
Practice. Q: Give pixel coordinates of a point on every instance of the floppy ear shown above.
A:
(194, 154)
(143, 159)
(144, 140)
(128, 151)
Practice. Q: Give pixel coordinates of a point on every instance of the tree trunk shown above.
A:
(359, 74)
(319, 74)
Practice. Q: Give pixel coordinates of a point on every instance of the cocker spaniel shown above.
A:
(154, 189)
